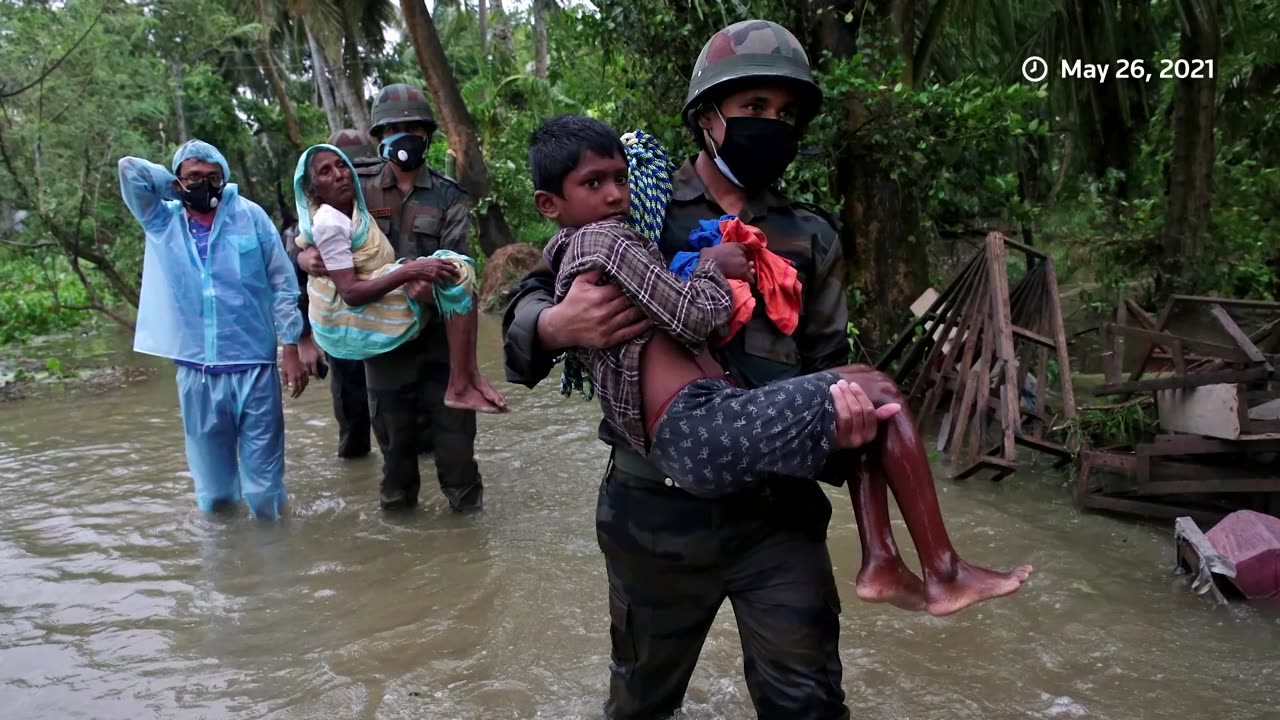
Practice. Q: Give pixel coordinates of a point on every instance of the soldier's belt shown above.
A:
(629, 462)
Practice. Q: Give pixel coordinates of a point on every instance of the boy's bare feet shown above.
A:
(474, 393)
(972, 584)
(890, 581)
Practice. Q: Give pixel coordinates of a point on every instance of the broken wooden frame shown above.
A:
(976, 328)
(1219, 409)
(1194, 362)
(1174, 475)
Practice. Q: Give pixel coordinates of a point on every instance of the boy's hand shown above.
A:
(857, 419)
(733, 261)
(311, 263)
(295, 377)
(590, 316)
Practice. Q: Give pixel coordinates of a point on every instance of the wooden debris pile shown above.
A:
(985, 350)
(1217, 394)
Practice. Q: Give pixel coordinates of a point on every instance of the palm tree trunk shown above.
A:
(179, 100)
(351, 79)
(540, 61)
(265, 61)
(484, 26)
(473, 175)
(320, 72)
(1191, 167)
(292, 128)
(502, 27)
(886, 256)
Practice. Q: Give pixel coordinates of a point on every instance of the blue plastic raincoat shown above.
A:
(211, 315)
(227, 310)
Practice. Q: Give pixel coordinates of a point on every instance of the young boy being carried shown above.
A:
(669, 399)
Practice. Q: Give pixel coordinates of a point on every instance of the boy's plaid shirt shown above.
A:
(689, 311)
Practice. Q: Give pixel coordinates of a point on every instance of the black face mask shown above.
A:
(202, 196)
(756, 151)
(406, 150)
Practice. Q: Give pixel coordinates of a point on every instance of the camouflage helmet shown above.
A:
(400, 103)
(746, 51)
(358, 148)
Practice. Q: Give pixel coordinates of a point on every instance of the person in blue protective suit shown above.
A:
(217, 291)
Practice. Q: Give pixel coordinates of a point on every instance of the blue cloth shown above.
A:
(200, 233)
(233, 424)
(226, 310)
(706, 235)
(455, 299)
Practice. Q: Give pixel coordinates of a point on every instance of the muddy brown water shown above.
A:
(119, 600)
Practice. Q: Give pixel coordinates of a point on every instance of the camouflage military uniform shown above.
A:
(672, 558)
(434, 215)
(346, 378)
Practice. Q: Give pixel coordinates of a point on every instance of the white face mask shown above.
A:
(720, 163)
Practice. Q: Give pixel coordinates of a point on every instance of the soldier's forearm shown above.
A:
(527, 360)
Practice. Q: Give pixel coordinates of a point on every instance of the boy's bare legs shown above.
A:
(898, 459)
(883, 577)
(468, 390)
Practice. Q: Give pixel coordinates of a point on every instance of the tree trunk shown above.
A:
(484, 26)
(904, 21)
(351, 78)
(268, 65)
(540, 58)
(885, 253)
(179, 101)
(473, 176)
(248, 188)
(320, 73)
(353, 101)
(292, 129)
(502, 27)
(924, 52)
(1112, 115)
(1191, 166)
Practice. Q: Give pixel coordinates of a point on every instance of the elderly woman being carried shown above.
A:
(370, 303)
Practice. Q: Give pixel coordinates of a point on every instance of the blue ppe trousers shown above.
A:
(234, 428)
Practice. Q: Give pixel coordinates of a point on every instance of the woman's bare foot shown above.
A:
(972, 584)
(474, 394)
(494, 397)
(890, 581)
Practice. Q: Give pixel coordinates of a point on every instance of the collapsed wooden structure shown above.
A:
(987, 351)
(1217, 394)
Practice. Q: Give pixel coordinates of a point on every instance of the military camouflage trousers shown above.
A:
(715, 438)
(672, 559)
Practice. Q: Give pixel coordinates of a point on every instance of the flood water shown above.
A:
(119, 600)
